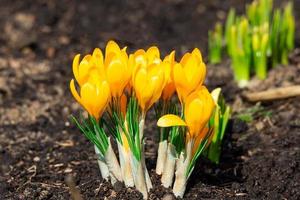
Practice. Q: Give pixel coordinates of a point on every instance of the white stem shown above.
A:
(147, 176)
(161, 156)
(139, 176)
(141, 129)
(142, 126)
(169, 169)
(112, 163)
(124, 156)
(182, 167)
(103, 167)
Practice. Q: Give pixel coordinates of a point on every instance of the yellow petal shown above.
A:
(192, 113)
(171, 57)
(75, 66)
(98, 57)
(196, 52)
(87, 93)
(153, 54)
(74, 91)
(170, 120)
(185, 58)
(101, 99)
(83, 69)
(141, 87)
(115, 77)
(180, 82)
(191, 70)
(112, 47)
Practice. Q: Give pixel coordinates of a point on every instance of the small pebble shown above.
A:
(68, 170)
(168, 197)
(36, 159)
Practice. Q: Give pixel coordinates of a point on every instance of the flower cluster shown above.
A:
(117, 90)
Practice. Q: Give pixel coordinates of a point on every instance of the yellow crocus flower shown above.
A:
(90, 68)
(93, 97)
(198, 108)
(168, 65)
(118, 71)
(145, 58)
(189, 74)
(148, 85)
(148, 77)
(113, 67)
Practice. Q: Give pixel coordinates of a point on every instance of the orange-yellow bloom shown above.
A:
(118, 71)
(148, 85)
(148, 77)
(168, 65)
(198, 108)
(89, 69)
(93, 97)
(189, 74)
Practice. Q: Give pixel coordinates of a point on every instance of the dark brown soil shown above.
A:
(42, 155)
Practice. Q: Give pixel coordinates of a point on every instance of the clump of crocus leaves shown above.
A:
(117, 90)
(252, 41)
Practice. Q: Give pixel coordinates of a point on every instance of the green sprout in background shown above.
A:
(253, 40)
(215, 44)
(260, 39)
(240, 49)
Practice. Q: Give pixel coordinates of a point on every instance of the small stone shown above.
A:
(68, 170)
(168, 197)
(118, 186)
(44, 194)
(36, 159)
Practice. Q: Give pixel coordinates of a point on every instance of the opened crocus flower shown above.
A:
(198, 108)
(189, 74)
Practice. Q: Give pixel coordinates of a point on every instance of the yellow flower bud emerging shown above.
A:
(189, 74)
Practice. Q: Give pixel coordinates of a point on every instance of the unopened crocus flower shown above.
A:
(168, 66)
(148, 77)
(118, 72)
(94, 96)
(189, 74)
(199, 107)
